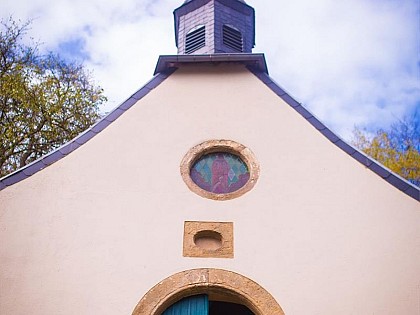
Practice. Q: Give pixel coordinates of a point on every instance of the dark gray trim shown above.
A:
(84, 137)
(392, 178)
(252, 61)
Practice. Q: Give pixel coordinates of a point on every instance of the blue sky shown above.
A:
(350, 62)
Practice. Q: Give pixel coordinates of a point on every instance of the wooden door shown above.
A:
(192, 305)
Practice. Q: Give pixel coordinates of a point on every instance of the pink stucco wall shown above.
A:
(92, 233)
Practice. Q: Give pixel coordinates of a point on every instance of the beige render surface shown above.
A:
(92, 233)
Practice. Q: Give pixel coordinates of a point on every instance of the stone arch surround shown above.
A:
(207, 281)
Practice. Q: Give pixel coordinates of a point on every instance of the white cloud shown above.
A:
(350, 61)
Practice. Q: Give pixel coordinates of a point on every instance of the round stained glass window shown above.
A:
(220, 172)
(220, 169)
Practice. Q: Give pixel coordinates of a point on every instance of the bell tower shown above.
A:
(204, 27)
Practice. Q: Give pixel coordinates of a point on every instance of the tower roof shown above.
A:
(186, 1)
(214, 27)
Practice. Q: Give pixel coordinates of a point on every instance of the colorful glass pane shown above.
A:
(220, 172)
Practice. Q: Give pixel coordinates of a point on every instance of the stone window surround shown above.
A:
(193, 228)
(212, 146)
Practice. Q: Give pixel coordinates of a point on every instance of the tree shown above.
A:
(45, 101)
(397, 148)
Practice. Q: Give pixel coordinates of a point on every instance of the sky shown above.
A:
(350, 62)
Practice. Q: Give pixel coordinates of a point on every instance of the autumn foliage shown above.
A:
(45, 101)
(397, 148)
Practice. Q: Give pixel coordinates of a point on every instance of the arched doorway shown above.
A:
(225, 289)
(203, 304)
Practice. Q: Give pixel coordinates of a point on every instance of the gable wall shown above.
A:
(92, 233)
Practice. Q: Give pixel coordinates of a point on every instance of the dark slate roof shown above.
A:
(256, 64)
(253, 61)
(192, 5)
(186, 1)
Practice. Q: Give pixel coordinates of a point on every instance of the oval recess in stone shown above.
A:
(208, 240)
(220, 172)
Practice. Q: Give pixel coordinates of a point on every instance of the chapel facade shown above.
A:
(210, 190)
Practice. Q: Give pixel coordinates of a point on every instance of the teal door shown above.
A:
(192, 305)
(200, 305)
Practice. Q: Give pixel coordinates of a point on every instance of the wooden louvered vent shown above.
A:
(232, 38)
(195, 40)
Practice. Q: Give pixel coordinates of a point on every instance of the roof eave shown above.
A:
(255, 62)
(388, 175)
(59, 153)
